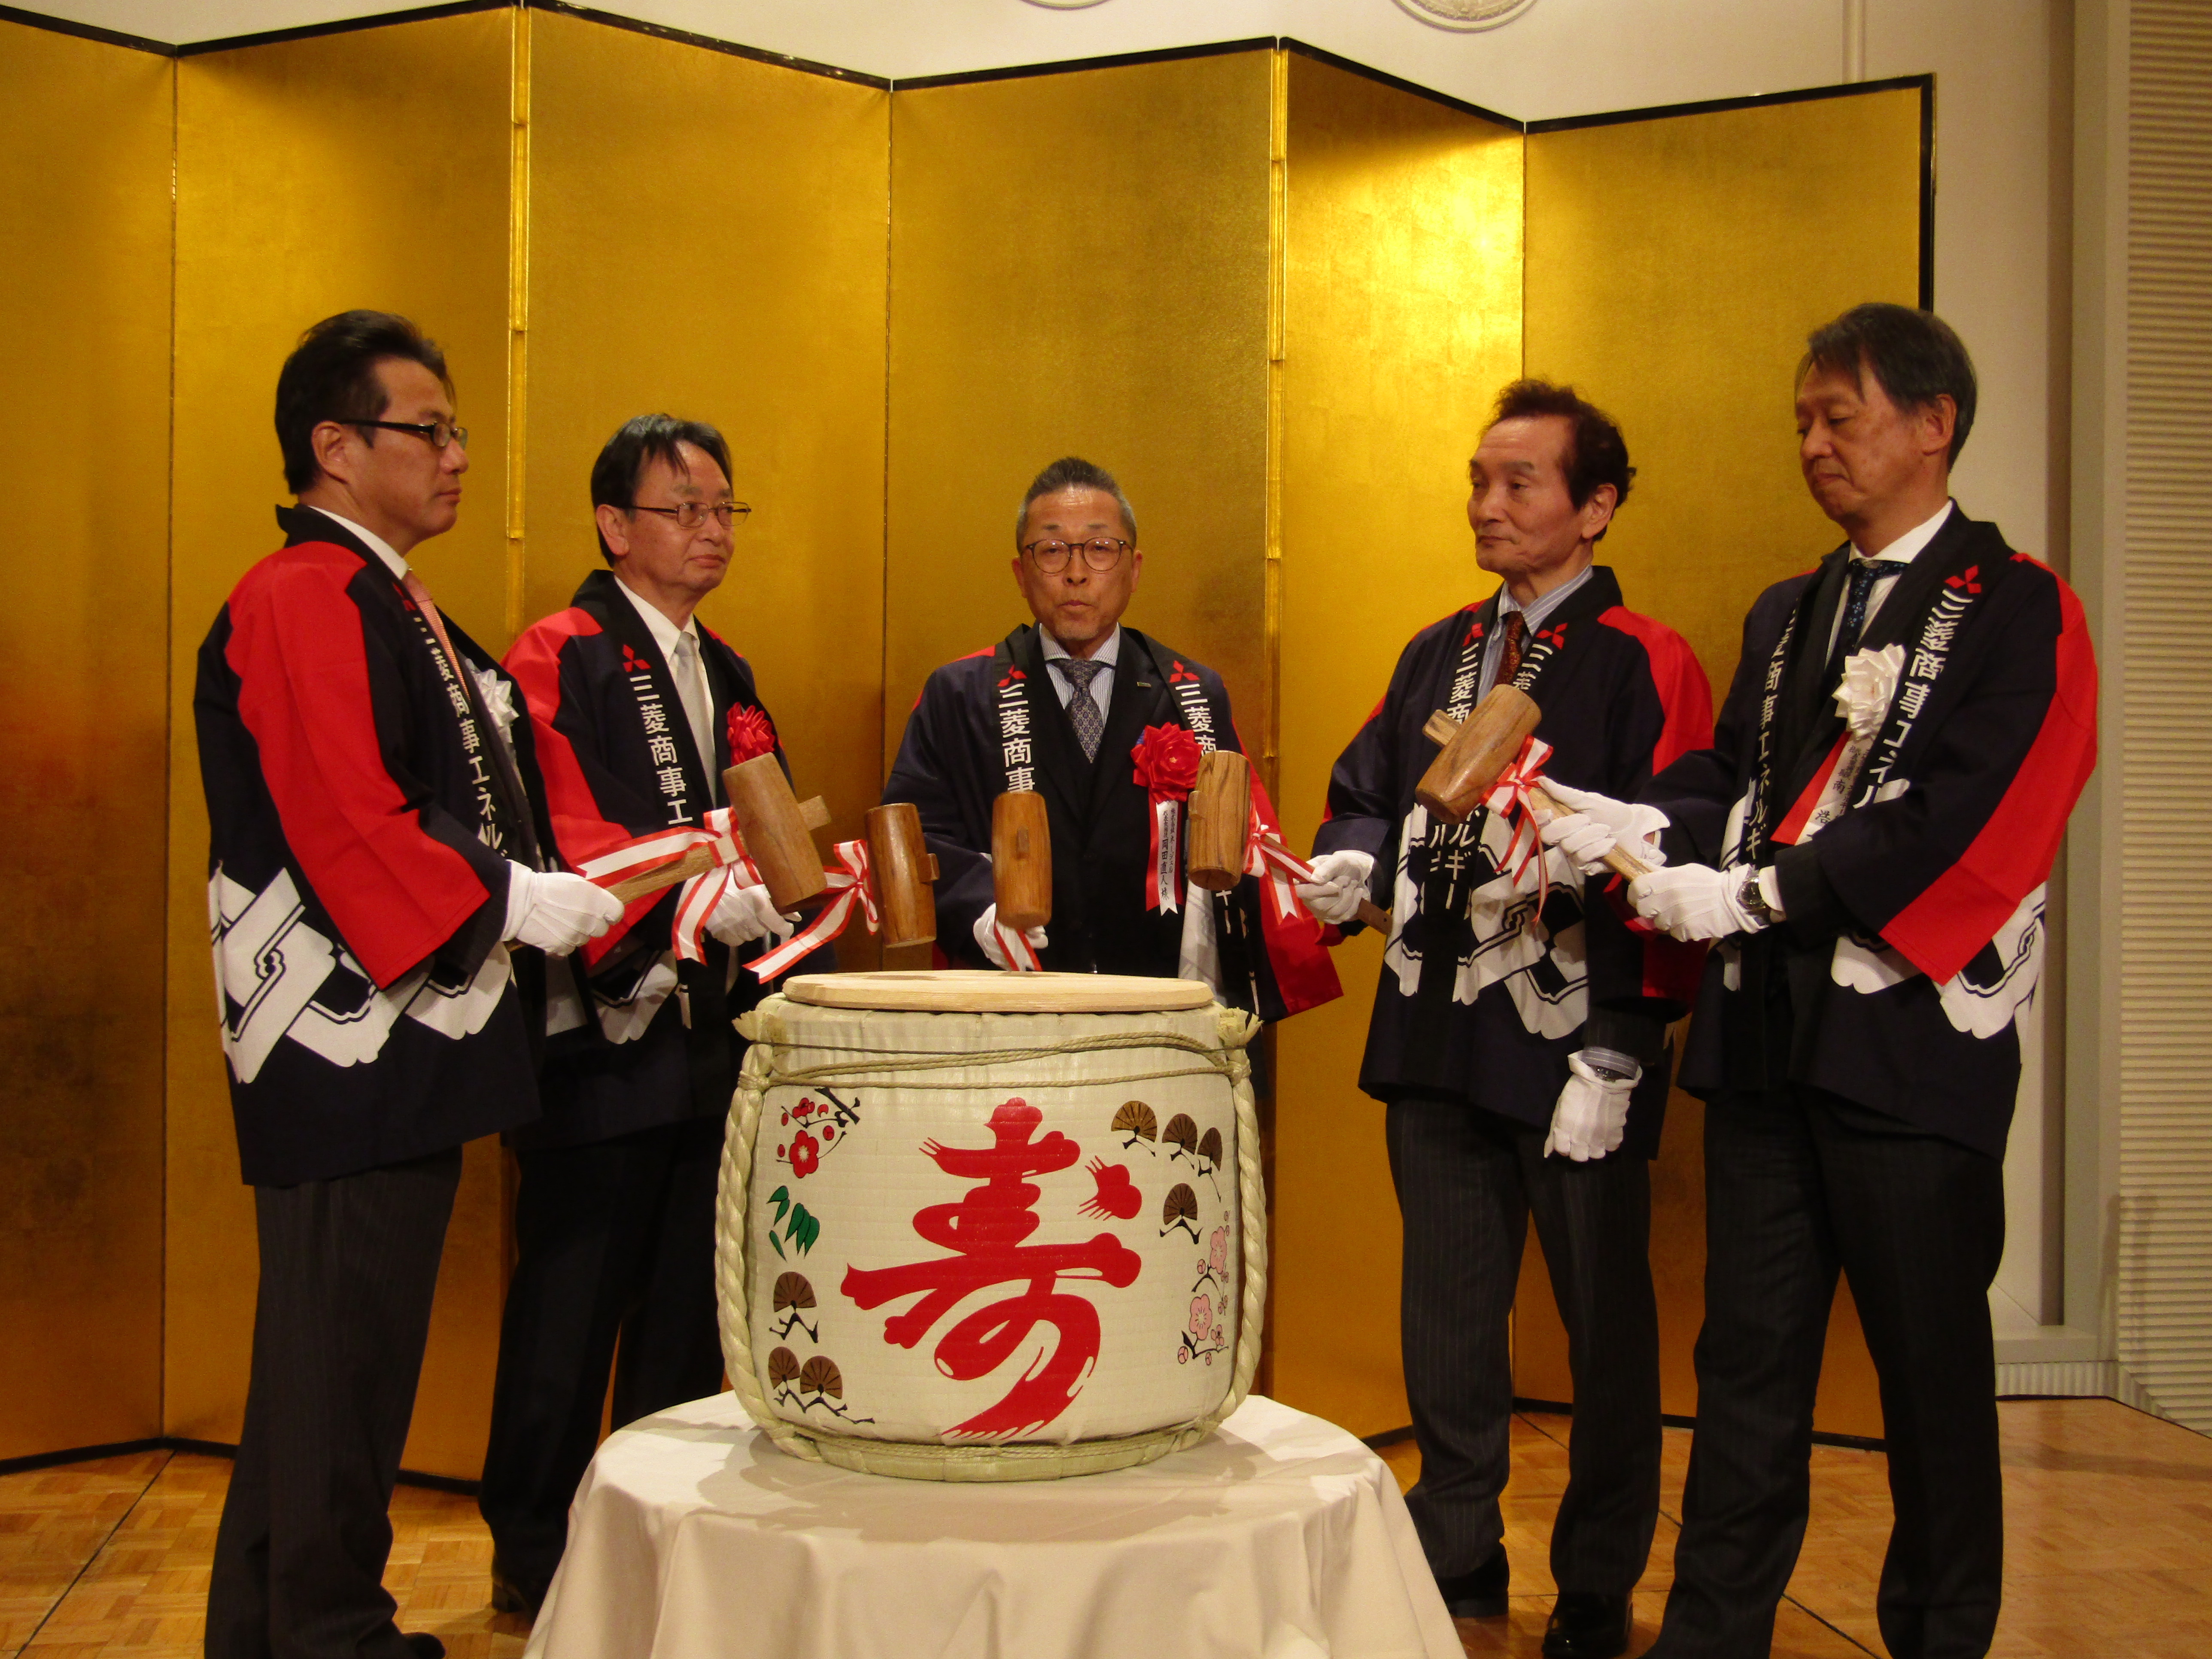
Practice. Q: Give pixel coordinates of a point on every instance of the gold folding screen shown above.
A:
(594, 224)
(1675, 266)
(1079, 266)
(1273, 294)
(84, 434)
(1400, 319)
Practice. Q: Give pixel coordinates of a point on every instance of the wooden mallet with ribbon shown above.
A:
(773, 830)
(1226, 843)
(1479, 750)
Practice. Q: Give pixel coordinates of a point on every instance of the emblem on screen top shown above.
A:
(1466, 14)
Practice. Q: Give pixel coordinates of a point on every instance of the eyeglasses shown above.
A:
(1103, 553)
(437, 434)
(691, 514)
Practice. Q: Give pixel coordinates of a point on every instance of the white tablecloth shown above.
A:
(1280, 1536)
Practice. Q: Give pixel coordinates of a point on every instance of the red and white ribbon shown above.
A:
(1021, 956)
(853, 890)
(1277, 867)
(717, 830)
(1508, 799)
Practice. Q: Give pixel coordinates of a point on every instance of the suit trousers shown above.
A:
(1796, 1187)
(616, 1241)
(347, 1269)
(1468, 1183)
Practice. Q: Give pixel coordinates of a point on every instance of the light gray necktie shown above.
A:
(698, 707)
(1083, 708)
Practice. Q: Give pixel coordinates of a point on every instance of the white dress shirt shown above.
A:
(1900, 554)
(1535, 611)
(1102, 682)
(375, 544)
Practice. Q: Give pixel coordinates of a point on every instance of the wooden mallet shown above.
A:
(774, 825)
(1021, 860)
(1476, 752)
(902, 867)
(1221, 815)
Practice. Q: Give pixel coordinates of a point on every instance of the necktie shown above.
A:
(420, 595)
(1864, 573)
(1083, 708)
(1509, 648)
(698, 707)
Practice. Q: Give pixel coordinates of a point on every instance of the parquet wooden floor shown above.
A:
(2108, 1518)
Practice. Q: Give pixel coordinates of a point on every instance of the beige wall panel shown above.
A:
(1401, 310)
(368, 168)
(84, 432)
(1674, 268)
(707, 236)
(1079, 265)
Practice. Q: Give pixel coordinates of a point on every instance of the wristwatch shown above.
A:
(1751, 902)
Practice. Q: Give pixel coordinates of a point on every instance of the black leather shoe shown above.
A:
(1584, 1625)
(511, 1593)
(1480, 1594)
(426, 1646)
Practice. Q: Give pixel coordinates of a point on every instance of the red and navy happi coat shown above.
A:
(620, 762)
(1501, 961)
(992, 721)
(365, 798)
(1915, 934)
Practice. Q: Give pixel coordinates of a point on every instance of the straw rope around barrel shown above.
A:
(938, 1461)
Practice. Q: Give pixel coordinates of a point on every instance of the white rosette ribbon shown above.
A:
(1869, 685)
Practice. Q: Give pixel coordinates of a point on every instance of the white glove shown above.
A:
(1694, 901)
(1593, 1110)
(1340, 883)
(556, 911)
(742, 915)
(986, 936)
(1597, 824)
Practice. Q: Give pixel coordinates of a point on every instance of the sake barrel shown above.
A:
(979, 1226)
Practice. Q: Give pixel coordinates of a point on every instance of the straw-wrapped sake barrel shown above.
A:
(981, 1226)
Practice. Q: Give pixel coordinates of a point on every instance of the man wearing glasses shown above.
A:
(635, 710)
(375, 851)
(1108, 724)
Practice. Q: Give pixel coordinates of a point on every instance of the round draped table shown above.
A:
(1280, 1536)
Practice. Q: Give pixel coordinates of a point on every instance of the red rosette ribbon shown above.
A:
(717, 831)
(1167, 759)
(752, 734)
(853, 890)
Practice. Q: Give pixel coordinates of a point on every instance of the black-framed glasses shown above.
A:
(1100, 553)
(689, 515)
(436, 434)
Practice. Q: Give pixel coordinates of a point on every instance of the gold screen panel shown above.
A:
(1675, 266)
(1401, 299)
(708, 237)
(84, 169)
(368, 168)
(1078, 266)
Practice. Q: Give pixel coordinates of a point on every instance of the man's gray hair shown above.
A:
(1073, 472)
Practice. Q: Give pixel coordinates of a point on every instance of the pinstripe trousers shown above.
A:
(1797, 1187)
(347, 1269)
(1469, 1182)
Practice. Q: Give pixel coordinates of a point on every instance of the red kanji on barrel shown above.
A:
(986, 1230)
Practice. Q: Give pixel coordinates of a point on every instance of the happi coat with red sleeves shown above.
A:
(367, 797)
(992, 721)
(619, 760)
(1501, 961)
(1911, 863)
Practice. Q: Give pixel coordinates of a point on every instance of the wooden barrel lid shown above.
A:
(978, 991)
